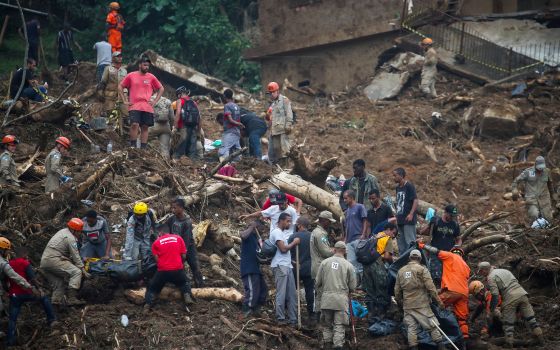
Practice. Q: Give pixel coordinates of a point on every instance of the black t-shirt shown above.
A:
(405, 197)
(16, 81)
(251, 121)
(383, 213)
(304, 252)
(33, 31)
(444, 233)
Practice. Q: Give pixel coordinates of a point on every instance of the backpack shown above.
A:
(366, 251)
(190, 113)
(266, 252)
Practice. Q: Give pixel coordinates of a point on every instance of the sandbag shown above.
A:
(400, 262)
(120, 270)
(382, 327)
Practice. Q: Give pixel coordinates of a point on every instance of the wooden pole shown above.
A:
(3, 31)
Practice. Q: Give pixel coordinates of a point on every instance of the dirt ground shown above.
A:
(436, 154)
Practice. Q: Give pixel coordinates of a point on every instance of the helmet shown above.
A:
(114, 6)
(140, 208)
(10, 139)
(475, 287)
(181, 90)
(76, 224)
(427, 41)
(63, 141)
(457, 250)
(5, 243)
(273, 86)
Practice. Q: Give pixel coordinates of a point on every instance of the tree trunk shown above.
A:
(314, 172)
(480, 242)
(136, 296)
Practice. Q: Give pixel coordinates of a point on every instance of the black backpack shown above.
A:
(190, 113)
(366, 251)
(266, 252)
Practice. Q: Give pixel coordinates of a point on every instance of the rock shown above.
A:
(500, 121)
(215, 260)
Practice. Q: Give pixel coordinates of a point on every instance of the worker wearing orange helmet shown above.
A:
(6, 271)
(484, 298)
(55, 177)
(454, 284)
(8, 174)
(61, 261)
(115, 25)
(429, 69)
(280, 121)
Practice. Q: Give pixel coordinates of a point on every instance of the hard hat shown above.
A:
(114, 6)
(427, 41)
(63, 141)
(140, 208)
(76, 224)
(273, 86)
(475, 287)
(174, 105)
(5, 243)
(457, 250)
(10, 139)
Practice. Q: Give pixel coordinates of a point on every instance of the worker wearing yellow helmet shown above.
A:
(429, 68)
(483, 298)
(140, 231)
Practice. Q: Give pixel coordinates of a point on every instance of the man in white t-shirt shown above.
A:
(286, 294)
(280, 205)
(103, 49)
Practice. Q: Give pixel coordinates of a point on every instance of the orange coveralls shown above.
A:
(455, 288)
(115, 25)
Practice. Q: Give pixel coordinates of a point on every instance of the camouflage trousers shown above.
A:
(375, 283)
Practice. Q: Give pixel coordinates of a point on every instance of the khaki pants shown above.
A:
(57, 271)
(542, 203)
(428, 83)
(333, 322)
(509, 314)
(423, 317)
(52, 183)
(278, 147)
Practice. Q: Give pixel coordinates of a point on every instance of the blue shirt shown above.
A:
(233, 110)
(249, 262)
(353, 221)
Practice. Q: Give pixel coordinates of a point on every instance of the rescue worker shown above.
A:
(164, 117)
(483, 297)
(502, 282)
(180, 223)
(115, 25)
(320, 250)
(55, 177)
(454, 284)
(170, 252)
(61, 261)
(414, 290)
(336, 279)
(6, 271)
(376, 283)
(8, 173)
(280, 120)
(362, 183)
(232, 126)
(108, 88)
(538, 190)
(96, 236)
(429, 68)
(139, 233)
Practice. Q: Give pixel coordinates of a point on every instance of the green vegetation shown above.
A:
(201, 33)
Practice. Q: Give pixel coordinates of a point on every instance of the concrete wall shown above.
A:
(479, 7)
(284, 26)
(330, 68)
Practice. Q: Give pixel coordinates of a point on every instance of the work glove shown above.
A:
(86, 274)
(514, 195)
(64, 179)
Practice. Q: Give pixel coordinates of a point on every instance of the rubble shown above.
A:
(500, 121)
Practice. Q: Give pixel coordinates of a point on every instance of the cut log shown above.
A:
(136, 296)
(496, 216)
(192, 76)
(314, 172)
(211, 189)
(307, 192)
(480, 242)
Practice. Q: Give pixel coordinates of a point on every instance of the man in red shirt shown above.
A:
(295, 201)
(170, 253)
(141, 86)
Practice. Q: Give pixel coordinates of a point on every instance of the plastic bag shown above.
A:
(382, 327)
(120, 270)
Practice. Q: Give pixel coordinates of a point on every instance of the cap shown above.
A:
(116, 54)
(415, 253)
(483, 265)
(145, 58)
(325, 214)
(303, 220)
(540, 164)
(340, 245)
(451, 209)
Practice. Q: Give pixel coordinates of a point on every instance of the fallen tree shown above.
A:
(480, 242)
(136, 296)
(314, 172)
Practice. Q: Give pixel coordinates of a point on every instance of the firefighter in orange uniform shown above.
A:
(115, 26)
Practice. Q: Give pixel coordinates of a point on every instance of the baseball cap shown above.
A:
(451, 209)
(415, 253)
(540, 164)
(340, 245)
(483, 265)
(325, 214)
(116, 54)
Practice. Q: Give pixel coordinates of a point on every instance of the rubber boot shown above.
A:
(188, 299)
(73, 298)
(441, 346)
(537, 332)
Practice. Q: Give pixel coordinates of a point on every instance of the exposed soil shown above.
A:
(387, 135)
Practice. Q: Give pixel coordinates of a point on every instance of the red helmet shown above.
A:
(273, 86)
(9, 139)
(76, 224)
(63, 141)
